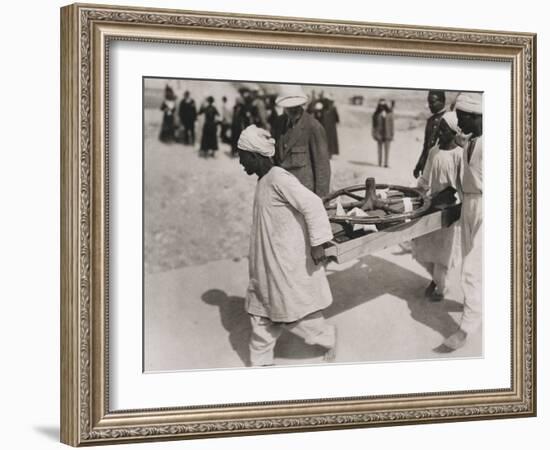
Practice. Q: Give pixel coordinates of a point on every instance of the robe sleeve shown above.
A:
(291, 191)
(460, 174)
(425, 180)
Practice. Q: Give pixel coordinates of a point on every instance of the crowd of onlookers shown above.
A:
(253, 106)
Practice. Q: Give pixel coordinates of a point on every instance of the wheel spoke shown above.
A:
(352, 195)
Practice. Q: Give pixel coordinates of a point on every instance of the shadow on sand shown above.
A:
(233, 318)
(369, 278)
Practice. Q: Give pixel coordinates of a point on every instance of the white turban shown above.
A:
(469, 103)
(257, 140)
(451, 119)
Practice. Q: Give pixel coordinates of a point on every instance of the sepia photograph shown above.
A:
(289, 224)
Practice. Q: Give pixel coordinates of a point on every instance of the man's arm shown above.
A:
(419, 168)
(292, 192)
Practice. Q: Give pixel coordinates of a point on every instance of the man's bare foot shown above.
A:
(456, 340)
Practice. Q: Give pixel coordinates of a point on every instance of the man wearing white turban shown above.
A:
(439, 251)
(288, 287)
(257, 140)
(470, 120)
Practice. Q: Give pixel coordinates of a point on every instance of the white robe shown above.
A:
(288, 219)
(443, 168)
(471, 221)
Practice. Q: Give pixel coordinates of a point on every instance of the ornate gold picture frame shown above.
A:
(87, 32)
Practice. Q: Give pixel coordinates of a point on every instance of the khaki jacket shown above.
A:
(302, 150)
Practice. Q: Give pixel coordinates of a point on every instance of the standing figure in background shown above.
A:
(314, 102)
(271, 110)
(209, 139)
(330, 119)
(260, 111)
(313, 99)
(436, 103)
(244, 115)
(470, 120)
(301, 142)
(382, 130)
(440, 251)
(188, 116)
(168, 107)
(226, 120)
(317, 111)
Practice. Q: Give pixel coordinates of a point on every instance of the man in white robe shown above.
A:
(470, 120)
(288, 285)
(440, 251)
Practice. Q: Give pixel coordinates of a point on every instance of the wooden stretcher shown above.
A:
(342, 249)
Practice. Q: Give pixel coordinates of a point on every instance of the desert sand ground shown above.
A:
(197, 216)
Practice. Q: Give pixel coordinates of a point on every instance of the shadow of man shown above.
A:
(372, 276)
(234, 319)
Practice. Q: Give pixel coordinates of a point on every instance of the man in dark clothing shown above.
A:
(301, 144)
(168, 107)
(188, 116)
(259, 108)
(436, 103)
(226, 119)
(330, 120)
(244, 114)
(209, 139)
(271, 110)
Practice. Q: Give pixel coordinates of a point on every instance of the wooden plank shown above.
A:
(374, 242)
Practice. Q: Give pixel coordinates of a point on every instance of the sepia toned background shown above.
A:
(197, 222)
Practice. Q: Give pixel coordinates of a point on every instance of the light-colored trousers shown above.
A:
(313, 329)
(471, 220)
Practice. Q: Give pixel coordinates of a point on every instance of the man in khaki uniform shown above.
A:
(301, 143)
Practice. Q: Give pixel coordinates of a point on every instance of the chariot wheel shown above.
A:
(376, 204)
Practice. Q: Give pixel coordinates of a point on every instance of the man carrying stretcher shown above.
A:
(288, 287)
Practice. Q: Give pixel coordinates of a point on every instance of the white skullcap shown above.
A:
(291, 96)
(257, 140)
(451, 119)
(469, 103)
